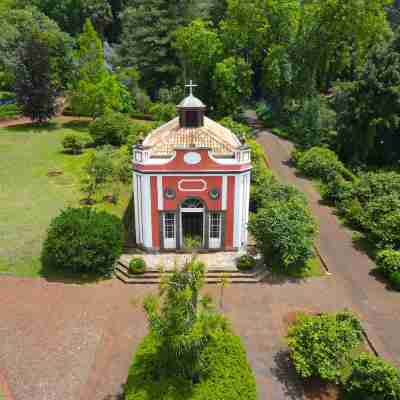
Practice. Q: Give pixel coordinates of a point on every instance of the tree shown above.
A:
(18, 26)
(199, 48)
(232, 83)
(94, 89)
(71, 14)
(368, 108)
(180, 324)
(35, 87)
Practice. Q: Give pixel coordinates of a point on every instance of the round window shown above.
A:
(214, 194)
(170, 194)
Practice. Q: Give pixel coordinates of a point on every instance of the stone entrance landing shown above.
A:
(220, 265)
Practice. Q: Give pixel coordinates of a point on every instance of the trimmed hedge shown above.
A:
(319, 162)
(74, 143)
(82, 240)
(226, 374)
(373, 378)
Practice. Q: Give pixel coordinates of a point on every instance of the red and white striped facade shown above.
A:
(197, 186)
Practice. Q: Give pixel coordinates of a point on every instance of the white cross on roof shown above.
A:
(191, 86)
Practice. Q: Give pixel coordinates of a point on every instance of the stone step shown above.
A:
(155, 277)
(217, 274)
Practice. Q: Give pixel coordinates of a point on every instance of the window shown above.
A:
(169, 226)
(215, 226)
(192, 203)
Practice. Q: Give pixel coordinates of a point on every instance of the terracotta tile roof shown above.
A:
(212, 135)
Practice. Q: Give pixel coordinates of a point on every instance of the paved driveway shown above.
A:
(378, 306)
(74, 342)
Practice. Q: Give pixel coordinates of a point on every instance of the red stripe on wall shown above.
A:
(154, 214)
(230, 213)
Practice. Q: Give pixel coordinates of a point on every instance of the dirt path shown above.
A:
(378, 306)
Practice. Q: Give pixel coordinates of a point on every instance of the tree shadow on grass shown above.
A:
(77, 125)
(34, 127)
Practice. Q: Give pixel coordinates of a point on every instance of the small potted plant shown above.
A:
(137, 266)
(246, 263)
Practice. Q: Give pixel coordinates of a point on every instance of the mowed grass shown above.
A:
(30, 198)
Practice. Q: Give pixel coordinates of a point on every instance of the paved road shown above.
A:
(378, 306)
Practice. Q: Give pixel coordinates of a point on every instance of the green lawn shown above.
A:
(29, 198)
(312, 268)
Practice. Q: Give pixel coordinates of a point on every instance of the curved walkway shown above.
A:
(378, 306)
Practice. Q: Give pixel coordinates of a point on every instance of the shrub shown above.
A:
(320, 346)
(394, 280)
(111, 128)
(264, 113)
(74, 143)
(163, 112)
(226, 374)
(337, 189)
(83, 240)
(122, 160)
(9, 111)
(240, 130)
(388, 261)
(246, 262)
(319, 162)
(373, 378)
(285, 232)
(137, 266)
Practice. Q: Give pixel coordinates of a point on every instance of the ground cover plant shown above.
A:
(191, 351)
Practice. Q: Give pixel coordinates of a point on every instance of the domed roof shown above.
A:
(191, 102)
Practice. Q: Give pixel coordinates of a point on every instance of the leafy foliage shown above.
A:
(190, 350)
(83, 240)
(319, 162)
(284, 232)
(373, 378)
(137, 266)
(321, 345)
(74, 143)
(388, 262)
(246, 263)
(111, 128)
(163, 111)
(36, 90)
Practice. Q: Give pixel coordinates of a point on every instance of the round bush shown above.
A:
(137, 266)
(226, 374)
(320, 345)
(319, 162)
(112, 128)
(388, 262)
(246, 263)
(373, 378)
(82, 240)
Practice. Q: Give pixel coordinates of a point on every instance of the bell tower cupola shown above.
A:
(191, 110)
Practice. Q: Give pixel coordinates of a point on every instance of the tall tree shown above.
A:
(368, 110)
(147, 35)
(20, 24)
(94, 89)
(35, 85)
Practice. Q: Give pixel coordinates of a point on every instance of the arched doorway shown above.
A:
(192, 214)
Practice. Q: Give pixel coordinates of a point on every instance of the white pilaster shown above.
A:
(238, 206)
(224, 198)
(160, 193)
(146, 222)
